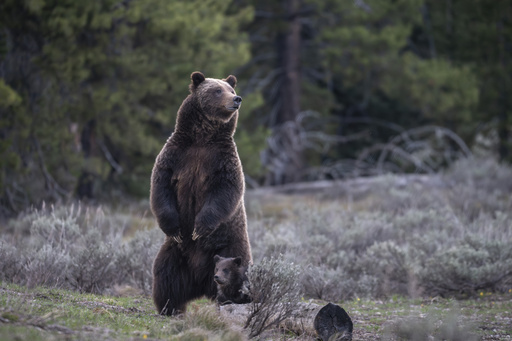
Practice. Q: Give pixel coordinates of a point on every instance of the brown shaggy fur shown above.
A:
(230, 276)
(197, 189)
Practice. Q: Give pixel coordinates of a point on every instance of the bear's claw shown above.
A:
(177, 238)
(195, 235)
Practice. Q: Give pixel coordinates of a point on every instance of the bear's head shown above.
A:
(217, 97)
(228, 271)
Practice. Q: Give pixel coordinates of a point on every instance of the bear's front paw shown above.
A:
(200, 232)
(178, 239)
(169, 225)
(174, 235)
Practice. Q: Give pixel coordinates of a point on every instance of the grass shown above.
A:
(487, 318)
(56, 314)
(407, 259)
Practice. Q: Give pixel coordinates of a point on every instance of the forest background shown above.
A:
(89, 90)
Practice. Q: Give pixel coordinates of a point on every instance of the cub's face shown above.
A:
(217, 97)
(227, 270)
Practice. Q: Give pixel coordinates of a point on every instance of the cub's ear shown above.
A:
(238, 261)
(197, 78)
(231, 80)
(216, 258)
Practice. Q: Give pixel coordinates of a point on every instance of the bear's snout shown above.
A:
(237, 100)
(217, 280)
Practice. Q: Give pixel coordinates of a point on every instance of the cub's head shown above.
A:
(228, 271)
(217, 97)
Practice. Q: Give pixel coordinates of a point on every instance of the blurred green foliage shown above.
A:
(93, 88)
(89, 90)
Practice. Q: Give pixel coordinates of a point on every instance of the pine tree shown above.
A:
(478, 34)
(100, 83)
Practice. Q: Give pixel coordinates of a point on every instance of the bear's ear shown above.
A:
(238, 261)
(197, 78)
(231, 80)
(216, 258)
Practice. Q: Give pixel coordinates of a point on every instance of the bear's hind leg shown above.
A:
(171, 289)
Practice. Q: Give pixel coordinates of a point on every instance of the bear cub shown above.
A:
(230, 277)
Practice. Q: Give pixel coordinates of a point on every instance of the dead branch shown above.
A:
(51, 184)
(116, 166)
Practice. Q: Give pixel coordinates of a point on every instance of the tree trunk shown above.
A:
(503, 135)
(287, 163)
(290, 64)
(85, 186)
(503, 105)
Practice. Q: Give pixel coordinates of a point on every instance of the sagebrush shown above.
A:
(451, 236)
(77, 247)
(275, 291)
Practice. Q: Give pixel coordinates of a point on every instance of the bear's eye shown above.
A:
(226, 271)
(218, 91)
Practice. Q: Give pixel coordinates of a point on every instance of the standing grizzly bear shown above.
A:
(230, 276)
(197, 189)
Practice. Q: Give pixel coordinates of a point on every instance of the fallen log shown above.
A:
(330, 322)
